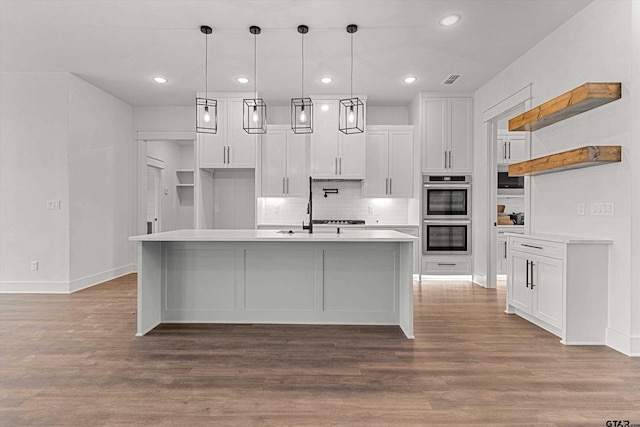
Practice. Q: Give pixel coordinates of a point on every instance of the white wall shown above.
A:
(376, 115)
(77, 150)
(34, 169)
(634, 87)
(595, 45)
(100, 184)
(172, 118)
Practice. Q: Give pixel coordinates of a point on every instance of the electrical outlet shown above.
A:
(580, 208)
(166, 191)
(53, 204)
(34, 265)
(603, 209)
(608, 208)
(371, 209)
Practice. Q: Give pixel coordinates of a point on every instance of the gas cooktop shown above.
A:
(339, 221)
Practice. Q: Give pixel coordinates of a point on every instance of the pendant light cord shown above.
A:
(255, 56)
(302, 84)
(206, 68)
(351, 65)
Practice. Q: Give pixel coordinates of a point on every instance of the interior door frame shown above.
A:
(520, 99)
(155, 164)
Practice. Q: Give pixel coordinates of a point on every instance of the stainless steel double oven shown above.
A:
(446, 215)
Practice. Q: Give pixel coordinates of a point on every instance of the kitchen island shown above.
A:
(356, 277)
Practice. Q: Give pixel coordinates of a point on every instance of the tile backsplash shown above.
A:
(348, 203)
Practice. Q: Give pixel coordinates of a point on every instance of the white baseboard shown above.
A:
(624, 343)
(62, 287)
(480, 280)
(44, 287)
(95, 279)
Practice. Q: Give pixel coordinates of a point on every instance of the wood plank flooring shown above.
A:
(73, 360)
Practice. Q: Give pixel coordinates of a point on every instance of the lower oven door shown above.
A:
(446, 237)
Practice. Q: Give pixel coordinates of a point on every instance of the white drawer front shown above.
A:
(446, 267)
(538, 247)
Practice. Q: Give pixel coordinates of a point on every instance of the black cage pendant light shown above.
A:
(352, 109)
(206, 108)
(302, 108)
(254, 116)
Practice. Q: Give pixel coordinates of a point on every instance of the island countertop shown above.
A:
(346, 235)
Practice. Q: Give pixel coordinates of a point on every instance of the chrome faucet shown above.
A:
(309, 210)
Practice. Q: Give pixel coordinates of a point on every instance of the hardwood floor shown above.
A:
(73, 360)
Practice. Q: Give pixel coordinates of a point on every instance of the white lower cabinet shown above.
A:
(560, 284)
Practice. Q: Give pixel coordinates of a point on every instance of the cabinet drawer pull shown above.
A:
(531, 246)
(527, 281)
(446, 263)
(505, 250)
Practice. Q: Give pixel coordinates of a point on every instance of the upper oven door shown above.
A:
(446, 201)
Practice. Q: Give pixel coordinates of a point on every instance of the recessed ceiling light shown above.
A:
(410, 79)
(242, 80)
(159, 79)
(326, 80)
(449, 20)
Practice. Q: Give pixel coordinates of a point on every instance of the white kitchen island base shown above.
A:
(359, 277)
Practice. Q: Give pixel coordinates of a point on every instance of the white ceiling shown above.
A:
(120, 45)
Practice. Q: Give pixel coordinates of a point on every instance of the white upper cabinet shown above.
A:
(283, 163)
(512, 147)
(335, 155)
(231, 147)
(389, 168)
(447, 144)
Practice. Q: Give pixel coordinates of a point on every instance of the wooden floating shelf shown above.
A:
(576, 101)
(573, 159)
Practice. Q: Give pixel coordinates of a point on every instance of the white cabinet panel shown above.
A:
(447, 144)
(335, 155)
(231, 147)
(511, 147)
(389, 162)
(283, 163)
(520, 294)
(401, 164)
(546, 281)
(376, 182)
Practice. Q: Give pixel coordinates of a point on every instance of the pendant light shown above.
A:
(206, 108)
(352, 109)
(254, 117)
(302, 108)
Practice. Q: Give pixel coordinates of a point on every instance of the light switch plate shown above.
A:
(581, 209)
(53, 204)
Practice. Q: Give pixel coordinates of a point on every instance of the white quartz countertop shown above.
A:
(562, 239)
(346, 235)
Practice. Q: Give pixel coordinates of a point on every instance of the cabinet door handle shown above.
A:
(284, 191)
(224, 154)
(504, 150)
(509, 149)
(386, 186)
(446, 263)
(505, 250)
(336, 166)
(450, 162)
(531, 264)
(287, 185)
(445, 159)
(390, 186)
(527, 282)
(340, 165)
(531, 246)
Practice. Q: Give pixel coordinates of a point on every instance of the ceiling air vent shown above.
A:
(451, 79)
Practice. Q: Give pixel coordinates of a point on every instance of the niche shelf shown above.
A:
(581, 99)
(572, 159)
